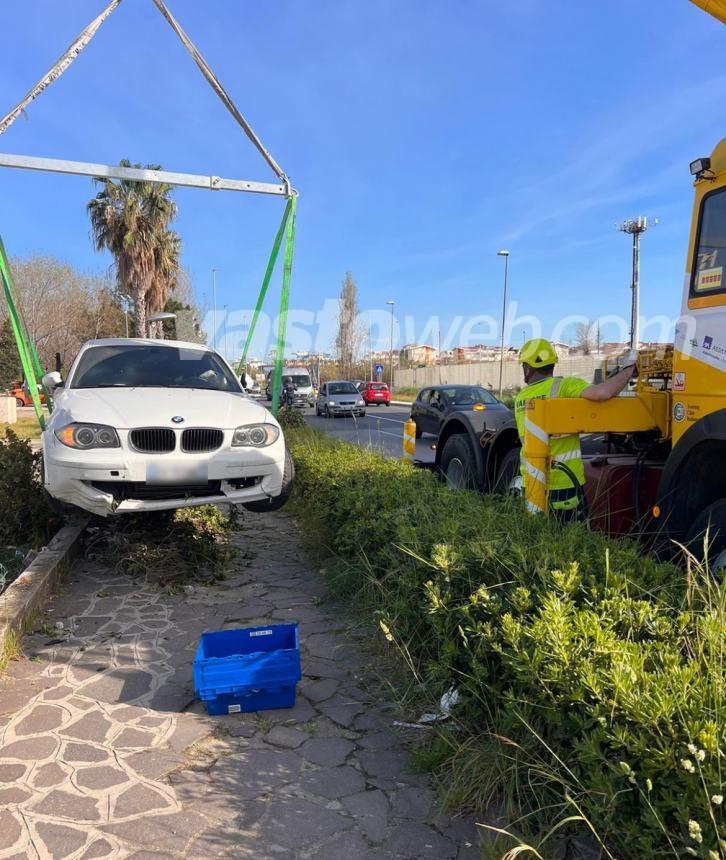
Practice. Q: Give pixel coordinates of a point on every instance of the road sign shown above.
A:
(379, 368)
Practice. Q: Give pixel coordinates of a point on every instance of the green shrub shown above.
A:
(25, 519)
(591, 677)
(290, 417)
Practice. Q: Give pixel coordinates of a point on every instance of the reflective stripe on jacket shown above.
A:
(564, 449)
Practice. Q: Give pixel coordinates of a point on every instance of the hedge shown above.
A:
(591, 677)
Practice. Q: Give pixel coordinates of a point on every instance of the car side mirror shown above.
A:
(52, 380)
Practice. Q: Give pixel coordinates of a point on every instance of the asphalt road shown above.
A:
(381, 428)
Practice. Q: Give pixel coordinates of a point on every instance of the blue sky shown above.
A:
(423, 136)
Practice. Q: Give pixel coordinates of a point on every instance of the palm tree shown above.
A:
(130, 219)
(165, 276)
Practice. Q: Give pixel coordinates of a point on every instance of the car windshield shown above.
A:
(298, 379)
(342, 388)
(468, 395)
(377, 386)
(707, 274)
(147, 366)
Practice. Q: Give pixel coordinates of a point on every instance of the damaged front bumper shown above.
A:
(107, 482)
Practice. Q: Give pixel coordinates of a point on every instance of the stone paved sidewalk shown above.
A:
(104, 753)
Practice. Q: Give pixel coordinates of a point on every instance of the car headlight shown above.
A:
(255, 436)
(331, 402)
(361, 403)
(86, 436)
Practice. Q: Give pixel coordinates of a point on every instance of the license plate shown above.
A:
(177, 473)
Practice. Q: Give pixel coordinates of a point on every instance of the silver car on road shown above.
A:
(339, 398)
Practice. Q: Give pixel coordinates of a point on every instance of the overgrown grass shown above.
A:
(24, 428)
(591, 677)
(171, 546)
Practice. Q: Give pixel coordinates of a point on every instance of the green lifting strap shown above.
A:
(26, 349)
(265, 284)
(284, 304)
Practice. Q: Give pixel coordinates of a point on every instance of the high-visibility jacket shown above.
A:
(564, 449)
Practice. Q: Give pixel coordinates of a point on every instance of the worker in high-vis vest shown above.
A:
(567, 477)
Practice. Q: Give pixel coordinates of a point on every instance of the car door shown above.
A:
(322, 392)
(417, 408)
(434, 413)
(439, 413)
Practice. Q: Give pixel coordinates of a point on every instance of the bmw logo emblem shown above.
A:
(177, 419)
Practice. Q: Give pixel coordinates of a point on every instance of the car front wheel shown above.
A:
(263, 506)
(19, 402)
(458, 464)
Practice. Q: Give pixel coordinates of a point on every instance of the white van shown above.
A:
(301, 380)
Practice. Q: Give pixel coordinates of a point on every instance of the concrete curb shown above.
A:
(25, 596)
(401, 402)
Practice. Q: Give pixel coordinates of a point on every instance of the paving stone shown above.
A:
(343, 714)
(240, 729)
(100, 777)
(133, 739)
(188, 731)
(10, 830)
(347, 846)
(171, 832)
(412, 802)
(60, 840)
(11, 772)
(99, 848)
(418, 841)
(67, 806)
(325, 669)
(388, 764)
(378, 741)
(139, 800)
(75, 752)
(327, 752)
(153, 763)
(43, 718)
(13, 794)
(91, 727)
(319, 691)
(286, 736)
(370, 810)
(119, 685)
(294, 822)
(302, 712)
(253, 772)
(332, 782)
(35, 749)
(60, 692)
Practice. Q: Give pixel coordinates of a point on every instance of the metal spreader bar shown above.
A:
(139, 174)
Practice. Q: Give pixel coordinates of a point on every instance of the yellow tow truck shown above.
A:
(662, 472)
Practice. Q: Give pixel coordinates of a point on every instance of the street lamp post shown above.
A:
(226, 312)
(214, 307)
(504, 254)
(391, 303)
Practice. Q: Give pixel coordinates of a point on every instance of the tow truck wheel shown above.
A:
(706, 538)
(507, 472)
(458, 465)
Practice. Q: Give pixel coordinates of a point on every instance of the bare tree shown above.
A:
(586, 336)
(351, 334)
(62, 307)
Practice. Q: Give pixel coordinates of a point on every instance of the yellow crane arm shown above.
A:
(717, 8)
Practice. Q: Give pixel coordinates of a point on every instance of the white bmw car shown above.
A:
(150, 425)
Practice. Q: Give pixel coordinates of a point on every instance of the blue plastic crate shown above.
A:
(248, 669)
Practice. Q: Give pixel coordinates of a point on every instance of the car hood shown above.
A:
(354, 395)
(124, 408)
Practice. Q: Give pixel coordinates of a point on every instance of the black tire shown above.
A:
(711, 523)
(507, 471)
(264, 506)
(458, 463)
(388, 404)
(317, 410)
(19, 403)
(363, 414)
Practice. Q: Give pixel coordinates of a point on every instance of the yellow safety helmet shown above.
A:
(538, 352)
